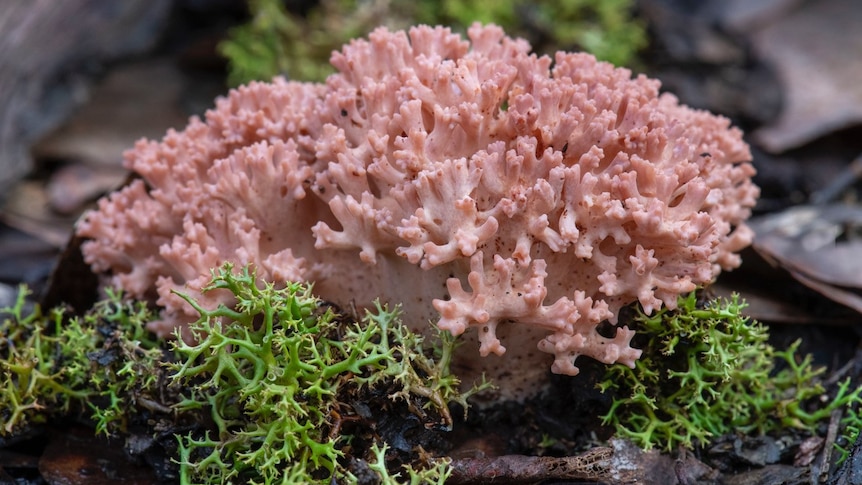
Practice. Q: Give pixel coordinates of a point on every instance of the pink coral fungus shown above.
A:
(479, 185)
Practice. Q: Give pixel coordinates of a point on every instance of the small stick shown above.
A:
(846, 178)
(517, 469)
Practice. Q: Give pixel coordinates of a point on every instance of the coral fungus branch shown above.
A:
(481, 186)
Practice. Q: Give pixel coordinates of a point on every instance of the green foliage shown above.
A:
(278, 42)
(273, 370)
(710, 371)
(55, 364)
(273, 43)
(604, 28)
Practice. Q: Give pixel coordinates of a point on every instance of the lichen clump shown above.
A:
(708, 371)
(278, 373)
(104, 364)
(277, 388)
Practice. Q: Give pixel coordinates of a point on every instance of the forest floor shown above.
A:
(785, 71)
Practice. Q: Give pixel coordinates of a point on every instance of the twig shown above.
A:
(517, 469)
(820, 469)
(846, 178)
(846, 368)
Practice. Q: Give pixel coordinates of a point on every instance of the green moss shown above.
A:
(277, 42)
(275, 369)
(605, 28)
(710, 371)
(274, 43)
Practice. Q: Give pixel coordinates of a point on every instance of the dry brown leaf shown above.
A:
(820, 246)
(816, 51)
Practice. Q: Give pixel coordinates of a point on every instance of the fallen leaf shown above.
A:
(820, 246)
(815, 50)
(77, 457)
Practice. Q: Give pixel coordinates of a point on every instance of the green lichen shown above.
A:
(851, 425)
(103, 363)
(268, 389)
(275, 371)
(434, 475)
(276, 41)
(707, 371)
